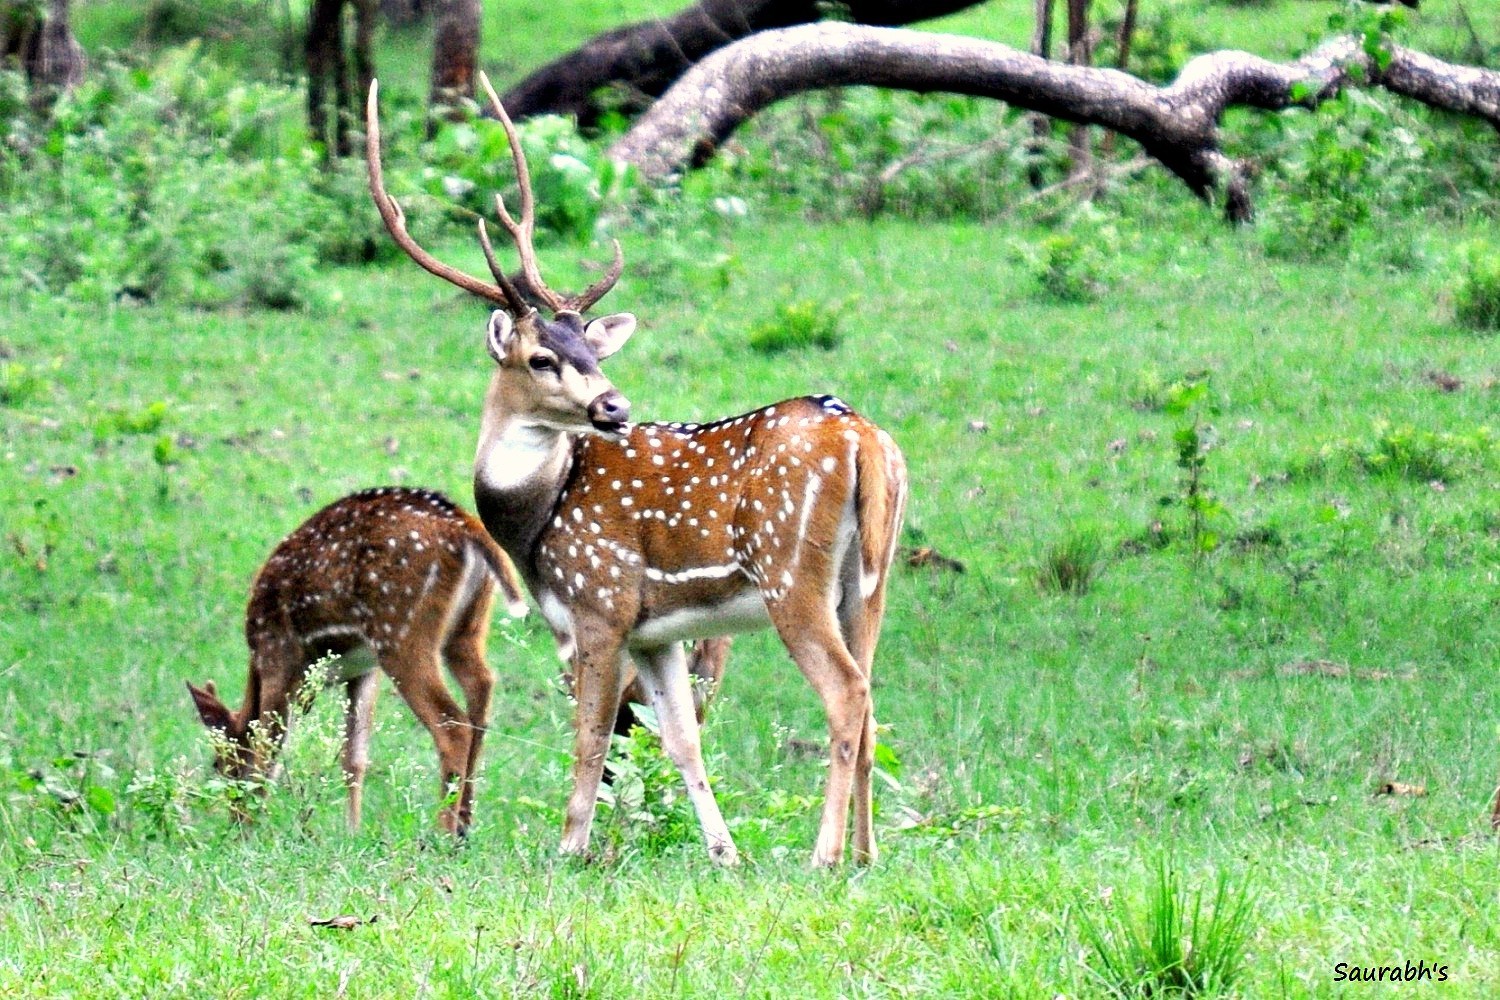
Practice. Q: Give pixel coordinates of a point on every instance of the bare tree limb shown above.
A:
(1178, 125)
(646, 57)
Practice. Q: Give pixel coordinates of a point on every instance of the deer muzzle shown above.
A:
(609, 412)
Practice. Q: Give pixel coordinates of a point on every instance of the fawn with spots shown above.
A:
(393, 578)
(635, 537)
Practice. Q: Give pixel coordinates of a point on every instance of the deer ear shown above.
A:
(500, 334)
(210, 709)
(608, 334)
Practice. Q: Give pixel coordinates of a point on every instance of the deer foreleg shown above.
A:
(597, 682)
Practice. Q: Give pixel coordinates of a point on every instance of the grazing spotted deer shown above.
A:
(633, 538)
(390, 577)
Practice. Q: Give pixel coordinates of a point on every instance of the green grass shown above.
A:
(1045, 747)
(1049, 746)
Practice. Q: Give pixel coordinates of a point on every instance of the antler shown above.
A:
(502, 294)
(521, 232)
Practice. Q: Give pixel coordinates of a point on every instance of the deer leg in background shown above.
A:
(464, 653)
(359, 722)
(819, 652)
(664, 675)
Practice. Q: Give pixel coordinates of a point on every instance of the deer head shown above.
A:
(234, 757)
(549, 368)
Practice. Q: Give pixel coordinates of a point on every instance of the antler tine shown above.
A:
(599, 289)
(523, 231)
(521, 306)
(503, 295)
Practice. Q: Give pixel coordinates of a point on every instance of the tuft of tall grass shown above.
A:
(1070, 565)
(1174, 946)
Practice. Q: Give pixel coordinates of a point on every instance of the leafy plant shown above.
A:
(1193, 397)
(1174, 945)
(573, 182)
(175, 181)
(1476, 294)
(1424, 456)
(20, 383)
(1072, 266)
(795, 325)
(118, 421)
(645, 797)
(1336, 170)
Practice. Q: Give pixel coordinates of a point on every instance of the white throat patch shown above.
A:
(517, 456)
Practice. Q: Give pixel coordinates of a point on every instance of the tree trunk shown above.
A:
(1178, 124)
(640, 61)
(326, 71)
(1080, 53)
(1122, 59)
(45, 48)
(455, 55)
(362, 58)
(329, 65)
(1041, 125)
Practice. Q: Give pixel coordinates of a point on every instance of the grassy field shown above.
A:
(1292, 695)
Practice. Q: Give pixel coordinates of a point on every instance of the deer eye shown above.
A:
(543, 363)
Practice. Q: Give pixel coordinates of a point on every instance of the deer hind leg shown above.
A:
(359, 721)
(664, 675)
(810, 632)
(418, 680)
(464, 654)
(859, 623)
(598, 677)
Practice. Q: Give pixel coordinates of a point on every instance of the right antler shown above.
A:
(504, 292)
(522, 232)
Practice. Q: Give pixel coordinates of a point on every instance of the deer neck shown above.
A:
(520, 469)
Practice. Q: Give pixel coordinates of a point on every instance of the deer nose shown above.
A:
(609, 411)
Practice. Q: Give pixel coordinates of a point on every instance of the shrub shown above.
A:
(645, 804)
(1072, 266)
(1476, 295)
(573, 182)
(1334, 171)
(795, 325)
(177, 182)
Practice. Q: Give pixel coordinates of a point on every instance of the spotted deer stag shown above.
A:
(392, 578)
(635, 537)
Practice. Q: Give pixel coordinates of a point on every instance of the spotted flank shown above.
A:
(369, 568)
(682, 514)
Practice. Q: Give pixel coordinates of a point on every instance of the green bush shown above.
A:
(573, 182)
(797, 325)
(1336, 170)
(1476, 295)
(176, 182)
(1072, 265)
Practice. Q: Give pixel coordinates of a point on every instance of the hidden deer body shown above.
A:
(636, 537)
(391, 580)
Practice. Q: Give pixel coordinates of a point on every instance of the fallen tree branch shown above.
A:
(646, 57)
(1177, 125)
